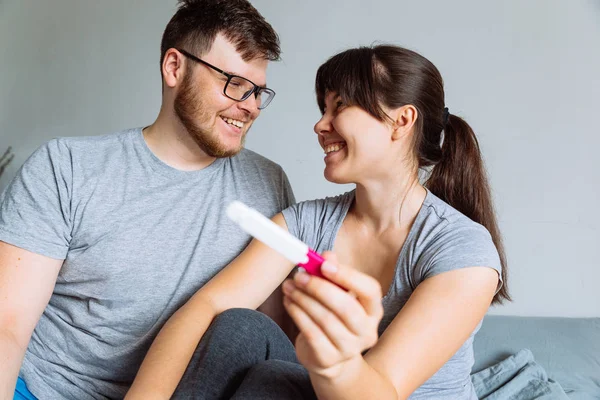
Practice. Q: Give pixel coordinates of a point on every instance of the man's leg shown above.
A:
(236, 341)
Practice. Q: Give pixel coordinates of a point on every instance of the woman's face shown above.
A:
(357, 146)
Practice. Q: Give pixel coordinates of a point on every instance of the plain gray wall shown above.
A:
(523, 73)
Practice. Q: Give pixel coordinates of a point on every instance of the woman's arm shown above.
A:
(439, 317)
(245, 283)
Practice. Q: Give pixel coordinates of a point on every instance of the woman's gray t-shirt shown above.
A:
(440, 240)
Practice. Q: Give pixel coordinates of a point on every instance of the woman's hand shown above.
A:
(335, 325)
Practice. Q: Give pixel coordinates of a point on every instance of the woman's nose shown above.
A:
(323, 126)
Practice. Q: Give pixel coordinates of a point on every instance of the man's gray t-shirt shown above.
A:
(138, 238)
(440, 240)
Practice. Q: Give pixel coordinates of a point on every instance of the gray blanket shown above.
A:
(518, 377)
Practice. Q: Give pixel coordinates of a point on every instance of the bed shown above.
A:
(567, 349)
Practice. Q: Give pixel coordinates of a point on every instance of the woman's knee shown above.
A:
(252, 331)
(242, 320)
(276, 379)
(277, 368)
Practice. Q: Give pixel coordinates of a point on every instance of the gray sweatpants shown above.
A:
(245, 355)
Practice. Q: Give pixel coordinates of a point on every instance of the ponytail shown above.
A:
(460, 180)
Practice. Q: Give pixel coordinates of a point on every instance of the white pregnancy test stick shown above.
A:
(275, 237)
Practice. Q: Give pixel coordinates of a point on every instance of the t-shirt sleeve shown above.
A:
(458, 247)
(287, 194)
(292, 216)
(315, 221)
(35, 209)
(306, 219)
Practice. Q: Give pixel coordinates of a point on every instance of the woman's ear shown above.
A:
(404, 119)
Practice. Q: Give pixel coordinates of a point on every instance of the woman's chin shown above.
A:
(335, 176)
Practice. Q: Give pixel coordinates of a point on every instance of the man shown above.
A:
(103, 238)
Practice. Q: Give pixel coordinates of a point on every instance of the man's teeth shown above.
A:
(334, 147)
(234, 122)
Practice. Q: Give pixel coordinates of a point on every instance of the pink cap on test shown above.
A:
(313, 265)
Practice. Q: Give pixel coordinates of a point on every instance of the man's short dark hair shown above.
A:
(197, 22)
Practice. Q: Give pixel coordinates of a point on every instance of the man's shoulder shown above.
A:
(249, 156)
(66, 150)
(96, 142)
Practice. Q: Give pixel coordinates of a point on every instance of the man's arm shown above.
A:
(245, 283)
(26, 284)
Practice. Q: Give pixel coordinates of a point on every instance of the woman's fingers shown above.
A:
(339, 301)
(366, 288)
(311, 330)
(346, 341)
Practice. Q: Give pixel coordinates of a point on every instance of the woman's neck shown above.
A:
(382, 207)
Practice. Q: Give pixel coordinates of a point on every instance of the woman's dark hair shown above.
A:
(387, 76)
(197, 22)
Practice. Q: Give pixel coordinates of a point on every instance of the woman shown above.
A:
(433, 249)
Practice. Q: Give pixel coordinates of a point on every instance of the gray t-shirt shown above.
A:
(138, 238)
(441, 239)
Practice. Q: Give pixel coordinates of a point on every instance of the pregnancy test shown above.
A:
(274, 236)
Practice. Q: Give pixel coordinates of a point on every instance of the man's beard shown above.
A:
(190, 108)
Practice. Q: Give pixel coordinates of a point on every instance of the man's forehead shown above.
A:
(223, 54)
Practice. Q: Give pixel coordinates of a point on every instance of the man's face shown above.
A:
(217, 123)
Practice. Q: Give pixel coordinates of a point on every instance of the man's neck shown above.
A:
(172, 144)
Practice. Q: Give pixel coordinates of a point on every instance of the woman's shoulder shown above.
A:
(444, 219)
(317, 217)
(326, 205)
(445, 232)
(448, 239)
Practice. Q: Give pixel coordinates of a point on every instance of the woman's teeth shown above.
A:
(233, 122)
(334, 147)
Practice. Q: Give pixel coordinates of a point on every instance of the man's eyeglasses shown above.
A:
(238, 88)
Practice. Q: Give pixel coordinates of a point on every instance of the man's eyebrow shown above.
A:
(242, 76)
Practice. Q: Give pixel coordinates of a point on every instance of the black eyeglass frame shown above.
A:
(256, 90)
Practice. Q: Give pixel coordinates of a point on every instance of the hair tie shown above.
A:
(446, 115)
